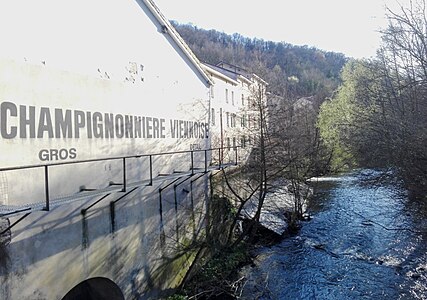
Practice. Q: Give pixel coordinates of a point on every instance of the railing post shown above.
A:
(151, 169)
(194, 165)
(192, 162)
(46, 187)
(124, 174)
(206, 161)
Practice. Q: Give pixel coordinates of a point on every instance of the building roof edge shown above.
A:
(167, 28)
(209, 69)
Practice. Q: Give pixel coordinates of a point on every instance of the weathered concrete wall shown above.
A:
(128, 241)
(102, 57)
(64, 67)
(84, 61)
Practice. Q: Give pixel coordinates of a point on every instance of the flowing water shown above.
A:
(366, 240)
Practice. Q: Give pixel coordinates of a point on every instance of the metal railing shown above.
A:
(207, 166)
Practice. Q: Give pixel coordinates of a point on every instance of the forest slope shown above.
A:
(292, 71)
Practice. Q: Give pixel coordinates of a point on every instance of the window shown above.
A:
(243, 141)
(243, 100)
(243, 121)
(232, 97)
(213, 116)
(234, 142)
(228, 118)
(233, 120)
(228, 142)
(226, 95)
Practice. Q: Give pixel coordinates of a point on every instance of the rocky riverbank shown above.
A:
(279, 205)
(220, 277)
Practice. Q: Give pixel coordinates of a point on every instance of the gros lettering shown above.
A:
(57, 154)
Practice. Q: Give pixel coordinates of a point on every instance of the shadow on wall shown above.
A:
(98, 288)
(5, 237)
(71, 179)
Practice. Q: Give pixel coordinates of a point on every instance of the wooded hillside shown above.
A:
(292, 71)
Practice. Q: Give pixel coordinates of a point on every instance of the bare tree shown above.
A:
(379, 113)
(284, 145)
(404, 59)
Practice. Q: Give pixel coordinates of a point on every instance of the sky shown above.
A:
(347, 26)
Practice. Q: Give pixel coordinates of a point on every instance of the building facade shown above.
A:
(236, 95)
(101, 105)
(106, 121)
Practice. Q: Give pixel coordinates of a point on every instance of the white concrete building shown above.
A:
(105, 120)
(233, 112)
(90, 93)
(80, 82)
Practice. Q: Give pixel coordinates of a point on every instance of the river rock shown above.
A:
(278, 203)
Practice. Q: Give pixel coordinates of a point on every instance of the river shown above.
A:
(366, 240)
